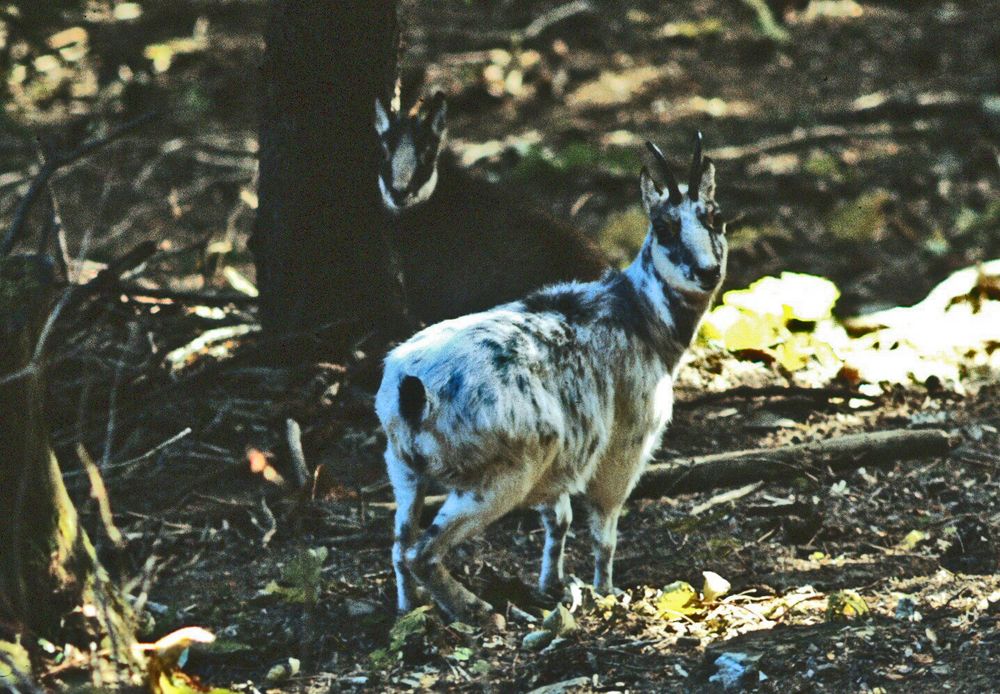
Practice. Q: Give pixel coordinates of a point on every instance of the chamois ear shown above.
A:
(706, 190)
(651, 193)
(436, 113)
(381, 118)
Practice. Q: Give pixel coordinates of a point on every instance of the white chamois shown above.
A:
(566, 392)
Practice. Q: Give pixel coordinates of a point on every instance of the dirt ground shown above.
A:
(862, 148)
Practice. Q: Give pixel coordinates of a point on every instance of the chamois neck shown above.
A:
(676, 313)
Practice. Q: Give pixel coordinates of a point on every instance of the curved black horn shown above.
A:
(672, 187)
(694, 178)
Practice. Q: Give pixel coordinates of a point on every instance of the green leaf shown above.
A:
(845, 605)
(461, 654)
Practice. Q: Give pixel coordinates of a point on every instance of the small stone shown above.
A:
(715, 586)
(537, 640)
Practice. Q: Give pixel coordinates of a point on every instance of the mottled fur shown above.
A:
(565, 392)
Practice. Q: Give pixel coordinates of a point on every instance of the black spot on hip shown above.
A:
(412, 399)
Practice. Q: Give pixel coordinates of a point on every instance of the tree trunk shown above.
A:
(48, 566)
(320, 240)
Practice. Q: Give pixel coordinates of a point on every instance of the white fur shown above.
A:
(565, 393)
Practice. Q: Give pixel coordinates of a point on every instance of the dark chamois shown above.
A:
(464, 244)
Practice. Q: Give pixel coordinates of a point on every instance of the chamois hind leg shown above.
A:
(556, 518)
(463, 515)
(606, 494)
(604, 533)
(408, 489)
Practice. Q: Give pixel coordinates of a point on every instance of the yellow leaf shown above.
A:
(677, 599)
(912, 539)
(794, 352)
(737, 330)
(807, 297)
(845, 604)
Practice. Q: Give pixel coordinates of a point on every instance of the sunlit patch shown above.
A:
(950, 336)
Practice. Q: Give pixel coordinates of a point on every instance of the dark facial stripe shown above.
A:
(684, 316)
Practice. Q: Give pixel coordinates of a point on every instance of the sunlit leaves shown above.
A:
(676, 600)
(787, 321)
(15, 666)
(758, 318)
(846, 605)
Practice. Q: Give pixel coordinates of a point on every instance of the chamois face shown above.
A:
(687, 240)
(409, 146)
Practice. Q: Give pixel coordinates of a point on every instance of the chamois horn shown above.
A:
(694, 178)
(661, 161)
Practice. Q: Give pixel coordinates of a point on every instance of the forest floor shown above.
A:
(862, 147)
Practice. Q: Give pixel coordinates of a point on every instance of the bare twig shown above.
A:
(272, 523)
(100, 494)
(139, 458)
(53, 164)
(198, 298)
(747, 392)
(301, 471)
(557, 15)
(726, 497)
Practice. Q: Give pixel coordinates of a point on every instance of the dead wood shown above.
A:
(817, 135)
(702, 473)
(750, 392)
(183, 297)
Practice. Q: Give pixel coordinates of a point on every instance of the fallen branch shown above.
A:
(749, 392)
(183, 297)
(701, 473)
(706, 472)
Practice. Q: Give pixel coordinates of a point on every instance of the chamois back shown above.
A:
(473, 245)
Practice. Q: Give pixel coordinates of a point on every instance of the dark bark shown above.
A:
(320, 238)
(48, 566)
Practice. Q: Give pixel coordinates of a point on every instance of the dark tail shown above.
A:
(412, 399)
